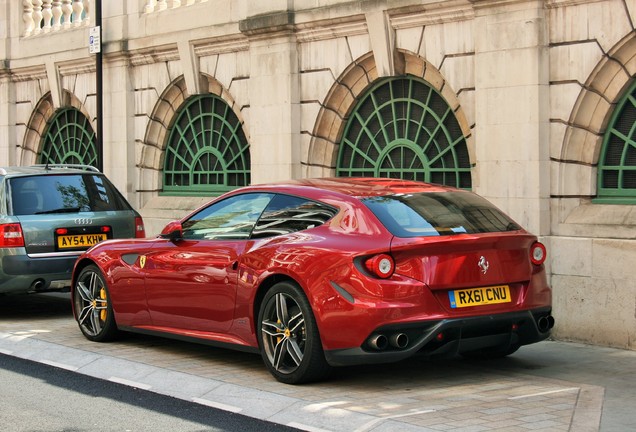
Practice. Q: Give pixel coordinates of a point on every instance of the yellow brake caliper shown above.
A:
(278, 339)
(104, 312)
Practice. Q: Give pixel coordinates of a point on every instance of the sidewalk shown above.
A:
(550, 386)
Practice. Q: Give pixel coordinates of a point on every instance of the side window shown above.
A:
(287, 214)
(102, 195)
(230, 219)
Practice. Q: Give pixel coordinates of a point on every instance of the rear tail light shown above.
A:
(380, 265)
(11, 235)
(538, 253)
(140, 231)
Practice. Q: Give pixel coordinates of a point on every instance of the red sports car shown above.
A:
(318, 273)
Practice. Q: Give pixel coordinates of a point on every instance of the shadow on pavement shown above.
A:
(35, 306)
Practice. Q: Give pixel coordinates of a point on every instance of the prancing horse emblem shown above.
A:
(142, 261)
(483, 264)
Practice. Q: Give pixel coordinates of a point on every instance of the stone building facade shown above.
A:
(530, 103)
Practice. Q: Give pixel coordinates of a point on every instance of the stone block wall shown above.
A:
(532, 83)
(592, 245)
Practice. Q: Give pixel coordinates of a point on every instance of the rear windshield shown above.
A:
(66, 193)
(436, 214)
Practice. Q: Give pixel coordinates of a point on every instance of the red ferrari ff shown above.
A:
(318, 273)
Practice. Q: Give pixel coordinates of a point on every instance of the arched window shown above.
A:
(207, 149)
(617, 162)
(403, 128)
(69, 138)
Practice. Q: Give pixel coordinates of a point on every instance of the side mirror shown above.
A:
(172, 231)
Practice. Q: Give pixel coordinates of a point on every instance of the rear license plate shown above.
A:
(479, 296)
(79, 241)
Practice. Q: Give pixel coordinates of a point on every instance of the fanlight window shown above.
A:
(207, 149)
(69, 138)
(403, 128)
(617, 162)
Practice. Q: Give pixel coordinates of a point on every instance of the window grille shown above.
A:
(403, 128)
(207, 149)
(69, 138)
(617, 162)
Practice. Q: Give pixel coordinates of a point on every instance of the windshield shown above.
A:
(435, 214)
(63, 194)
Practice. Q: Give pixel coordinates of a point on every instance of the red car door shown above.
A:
(191, 284)
(191, 278)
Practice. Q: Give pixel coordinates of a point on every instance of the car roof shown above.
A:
(358, 186)
(17, 171)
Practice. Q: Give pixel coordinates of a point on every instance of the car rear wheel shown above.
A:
(93, 310)
(288, 336)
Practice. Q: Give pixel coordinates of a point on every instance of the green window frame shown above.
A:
(68, 139)
(616, 183)
(403, 128)
(207, 149)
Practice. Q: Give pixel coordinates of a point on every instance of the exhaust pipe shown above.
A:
(399, 340)
(551, 321)
(379, 342)
(545, 323)
(37, 285)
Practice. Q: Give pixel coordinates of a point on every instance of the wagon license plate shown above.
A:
(79, 241)
(479, 296)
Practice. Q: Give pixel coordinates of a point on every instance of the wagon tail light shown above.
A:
(538, 253)
(11, 235)
(140, 231)
(64, 231)
(381, 265)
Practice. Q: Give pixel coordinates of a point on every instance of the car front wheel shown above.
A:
(288, 335)
(93, 310)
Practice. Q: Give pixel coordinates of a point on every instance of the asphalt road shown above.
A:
(37, 397)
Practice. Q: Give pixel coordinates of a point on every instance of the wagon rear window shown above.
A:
(435, 214)
(47, 194)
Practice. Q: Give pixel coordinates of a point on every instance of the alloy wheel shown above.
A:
(284, 334)
(92, 308)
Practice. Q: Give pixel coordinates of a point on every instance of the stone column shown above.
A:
(119, 128)
(9, 26)
(512, 109)
(119, 102)
(7, 120)
(274, 86)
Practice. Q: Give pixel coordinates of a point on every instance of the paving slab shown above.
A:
(550, 386)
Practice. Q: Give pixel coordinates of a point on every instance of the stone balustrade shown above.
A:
(45, 16)
(160, 5)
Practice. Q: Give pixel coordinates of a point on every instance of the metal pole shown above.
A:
(99, 88)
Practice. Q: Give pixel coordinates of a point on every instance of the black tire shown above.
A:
(92, 306)
(288, 336)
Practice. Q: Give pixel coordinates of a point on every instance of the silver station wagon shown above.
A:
(49, 214)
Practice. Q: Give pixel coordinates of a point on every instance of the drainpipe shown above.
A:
(99, 88)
